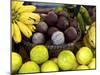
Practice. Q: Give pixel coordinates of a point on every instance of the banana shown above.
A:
(86, 42)
(85, 15)
(17, 34)
(92, 35)
(28, 8)
(19, 4)
(29, 18)
(24, 29)
(13, 5)
(31, 27)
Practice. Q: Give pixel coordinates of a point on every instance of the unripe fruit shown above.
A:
(16, 62)
(49, 66)
(92, 64)
(84, 55)
(29, 67)
(82, 67)
(66, 59)
(39, 54)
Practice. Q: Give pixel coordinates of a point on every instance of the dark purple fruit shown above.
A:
(51, 30)
(74, 23)
(42, 27)
(70, 34)
(51, 18)
(38, 38)
(63, 13)
(62, 23)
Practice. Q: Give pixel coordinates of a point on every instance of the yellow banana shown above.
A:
(28, 8)
(19, 4)
(29, 18)
(17, 34)
(24, 29)
(31, 27)
(92, 35)
(13, 4)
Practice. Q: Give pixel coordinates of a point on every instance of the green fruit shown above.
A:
(39, 54)
(66, 59)
(84, 55)
(75, 65)
(49, 66)
(54, 60)
(29, 67)
(92, 64)
(16, 62)
(82, 67)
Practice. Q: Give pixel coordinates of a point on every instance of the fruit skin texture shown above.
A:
(24, 29)
(38, 38)
(70, 34)
(16, 62)
(82, 67)
(92, 64)
(66, 59)
(39, 54)
(49, 66)
(29, 67)
(84, 55)
(16, 33)
(58, 38)
(29, 18)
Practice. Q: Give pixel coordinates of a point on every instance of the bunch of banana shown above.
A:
(23, 20)
(90, 38)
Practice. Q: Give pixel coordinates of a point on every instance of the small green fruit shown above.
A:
(16, 62)
(84, 55)
(66, 59)
(92, 64)
(39, 54)
(82, 67)
(29, 67)
(49, 66)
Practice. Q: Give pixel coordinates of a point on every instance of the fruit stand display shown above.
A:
(50, 37)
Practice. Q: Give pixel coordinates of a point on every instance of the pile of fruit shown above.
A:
(60, 38)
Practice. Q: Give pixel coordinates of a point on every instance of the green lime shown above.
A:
(84, 55)
(66, 59)
(82, 67)
(92, 64)
(16, 62)
(49, 66)
(39, 54)
(29, 67)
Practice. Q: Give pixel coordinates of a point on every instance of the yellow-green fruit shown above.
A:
(92, 64)
(75, 65)
(39, 54)
(54, 60)
(66, 59)
(49, 66)
(84, 55)
(92, 35)
(29, 67)
(16, 62)
(82, 67)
